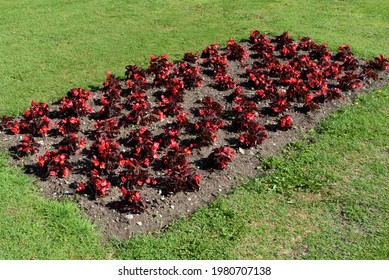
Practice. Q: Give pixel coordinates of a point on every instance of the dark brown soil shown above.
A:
(161, 210)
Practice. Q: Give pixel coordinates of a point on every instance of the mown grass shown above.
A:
(48, 47)
(32, 227)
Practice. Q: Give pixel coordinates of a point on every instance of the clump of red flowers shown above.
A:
(55, 164)
(69, 125)
(255, 134)
(236, 51)
(182, 178)
(35, 121)
(75, 104)
(27, 146)
(71, 144)
(285, 122)
(132, 201)
(221, 157)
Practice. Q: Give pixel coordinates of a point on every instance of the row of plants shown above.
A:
(122, 146)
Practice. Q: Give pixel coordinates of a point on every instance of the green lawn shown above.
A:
(340, 211)
(34, 228)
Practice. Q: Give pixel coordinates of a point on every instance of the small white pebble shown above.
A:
(241, 151)
(220, 190)
(139, 223)
(172, 206)
(189, 199)
(130, 217)
(162, 198)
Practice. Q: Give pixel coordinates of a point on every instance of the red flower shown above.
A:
(132, 201)
(280, 103)
(285, 122)
(220, 157)
(80, 187)
(101, 186)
